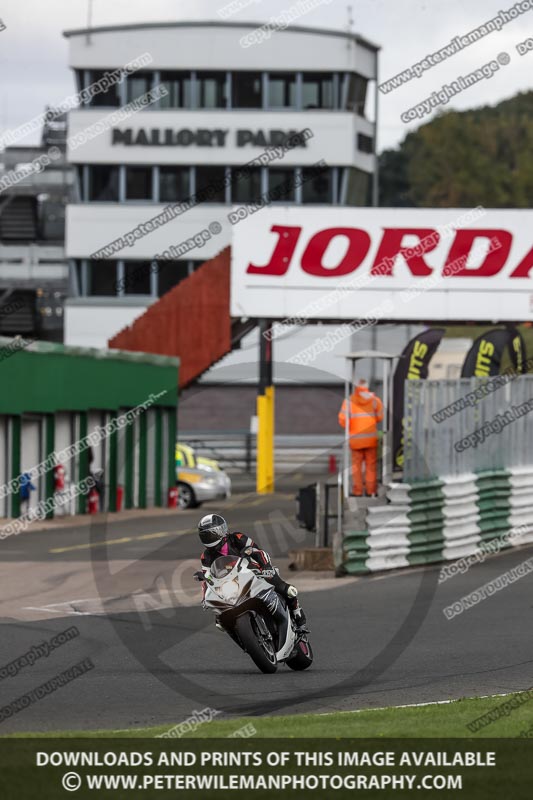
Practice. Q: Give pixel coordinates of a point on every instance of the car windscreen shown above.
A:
(222, 566)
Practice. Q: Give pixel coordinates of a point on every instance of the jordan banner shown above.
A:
(413, 365)
(485, 356)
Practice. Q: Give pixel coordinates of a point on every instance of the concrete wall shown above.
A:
(84, 329)
(213, 45)
(299, 409)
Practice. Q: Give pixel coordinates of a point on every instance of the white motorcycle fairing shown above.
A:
(233, 586)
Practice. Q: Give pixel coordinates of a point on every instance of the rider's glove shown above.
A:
(263, 572)
(199, 576)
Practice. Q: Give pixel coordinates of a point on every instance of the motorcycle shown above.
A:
(254, 615)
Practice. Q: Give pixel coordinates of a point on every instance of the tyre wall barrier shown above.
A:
(442, 520)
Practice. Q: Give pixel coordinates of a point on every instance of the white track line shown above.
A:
(417, 705)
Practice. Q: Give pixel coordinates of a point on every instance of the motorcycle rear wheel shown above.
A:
(254, 646)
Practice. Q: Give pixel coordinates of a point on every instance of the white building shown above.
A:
(226, 104)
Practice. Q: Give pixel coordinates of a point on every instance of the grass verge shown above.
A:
(438, 720)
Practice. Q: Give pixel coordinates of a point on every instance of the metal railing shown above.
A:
(490, 432)
(236, 450)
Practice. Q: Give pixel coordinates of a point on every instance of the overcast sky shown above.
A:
(33, 53)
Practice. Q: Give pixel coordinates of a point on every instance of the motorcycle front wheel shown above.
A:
(303, 658)
(260, 650)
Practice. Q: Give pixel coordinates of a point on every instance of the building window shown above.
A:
(139, 183)
(76, 280)
(80, 84)
(110, 97)
(137, 84)
(179, 88)
(103, 183)
(281, 182)
(356, 94)
(281, 90)
(246, 187)
(212, 92)
(137, 277)
(170, 273)
(246, 90)
(365, 143)
(316, 188)
(211, 181)
(102, 277)
(318, 91)
(80, 183)
(174, 184)
(358, 187)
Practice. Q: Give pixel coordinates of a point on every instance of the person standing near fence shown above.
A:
(365, 412)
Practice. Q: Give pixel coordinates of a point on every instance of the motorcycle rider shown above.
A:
(214, 534)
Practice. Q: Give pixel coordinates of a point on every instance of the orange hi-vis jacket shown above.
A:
(366, 410)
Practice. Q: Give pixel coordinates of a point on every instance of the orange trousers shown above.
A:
(369, 457)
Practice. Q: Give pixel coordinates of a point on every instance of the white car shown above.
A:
(199, 479)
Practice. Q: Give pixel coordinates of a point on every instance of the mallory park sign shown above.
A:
(204, 137)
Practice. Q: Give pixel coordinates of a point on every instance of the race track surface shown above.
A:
(127, 587)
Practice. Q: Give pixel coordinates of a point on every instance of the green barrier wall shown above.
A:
(442, 520)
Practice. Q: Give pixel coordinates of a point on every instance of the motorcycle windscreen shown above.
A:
(222, 566)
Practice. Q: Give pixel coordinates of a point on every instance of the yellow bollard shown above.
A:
(269, 392)
(265, 442)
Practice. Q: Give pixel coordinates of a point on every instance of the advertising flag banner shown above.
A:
(485, 356)
(413, 365)
(517, 349)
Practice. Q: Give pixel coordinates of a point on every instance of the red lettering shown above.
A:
(391, 247)
(462, 245)
(283, 252)
(524, 268)
(358, 246)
